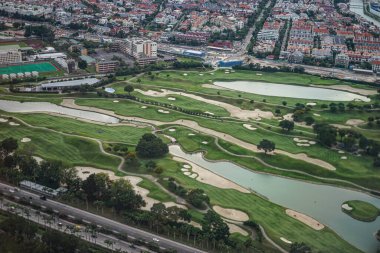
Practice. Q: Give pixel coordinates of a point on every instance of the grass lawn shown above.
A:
(361, 210)
(49, 145)
(126, 134)
(155, 192)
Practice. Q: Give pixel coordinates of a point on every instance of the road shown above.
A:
(64, 226)
(99, 220)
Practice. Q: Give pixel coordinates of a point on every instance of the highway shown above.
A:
(97, 220)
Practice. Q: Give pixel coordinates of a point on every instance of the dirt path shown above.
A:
(233, 110)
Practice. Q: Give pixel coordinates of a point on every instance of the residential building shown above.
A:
(342, 60)
(106, 66)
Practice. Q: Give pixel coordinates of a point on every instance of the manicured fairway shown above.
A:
(39, 67)
(48, 145)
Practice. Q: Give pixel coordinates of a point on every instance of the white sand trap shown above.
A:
(305, 219)
(316, 114)
(341, 152)
(201, 74)
(184, 170)
(38, 159)
(185, 74)
(233, 71)
(172, 130)
(187, 173)
(226, 72)
(300, 140)
(354, 122)
(194, 175)
(236, 229)
(191, 134)
(312, 142)
(210, 113)
(212, 74)
(204, 142)
(186, 166)
(84, 172)
(311, 104)
(208, 177)
(2, 120)
(231, 214)
(249, 126)
(13, 124)
(195, 224)
(343, 157)
(172, 99)
(116, 101)
(163, 111)
(143, 107)
(340, 126)
(303, 144)
(285, 240)
(258, 74)
(347, 207)
(25, 139)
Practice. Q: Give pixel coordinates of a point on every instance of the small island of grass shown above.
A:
(361, 210)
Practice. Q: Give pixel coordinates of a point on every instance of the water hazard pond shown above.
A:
(291, 91)
(15, 106)
(321, 202)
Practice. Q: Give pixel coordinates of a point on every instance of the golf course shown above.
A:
(306, 170)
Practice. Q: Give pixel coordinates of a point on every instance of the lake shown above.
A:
(322, 202)
(291, 91)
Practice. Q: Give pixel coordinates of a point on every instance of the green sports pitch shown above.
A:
(39, 67)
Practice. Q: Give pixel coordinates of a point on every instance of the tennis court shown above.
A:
(39, 67)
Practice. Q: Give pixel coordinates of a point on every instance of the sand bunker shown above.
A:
(191, 134)
(116, 101)
(285, 240)
(204, 142)
(311, 104)
(354, 122)
(172, 130)
(194, 175)
(187, 173)
(303, 143)
(163, 111)
(2, 120)
(183, 169)
(210, 113)
(143, 107)
(347, 207)
(186, 166)
(25, 139)
(13, 124)
(341, 152)
(84, 172)
(38, 159)
(249, 126)
(185, 74)
(231, 214)
(236, 229)
(305, 219)
(172, 99)
(316, 114)
(208, 177)
(339, 126)
(343, 157)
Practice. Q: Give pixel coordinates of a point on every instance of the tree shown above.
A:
(129, 88)
(266, 145)
(299, 248)
(309, 120)
(123, 197)
(349, 143)
(287, 125)
(150, 146)
(214, 226)
(7, 146)
(197, 198)
(49, 173)
(97, 186)
(326, 134)
(82, 64)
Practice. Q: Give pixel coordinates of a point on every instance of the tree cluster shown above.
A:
(151, 146)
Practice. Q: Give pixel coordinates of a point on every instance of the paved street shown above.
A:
(98, 220)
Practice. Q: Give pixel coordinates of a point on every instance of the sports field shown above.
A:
(40, 67)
